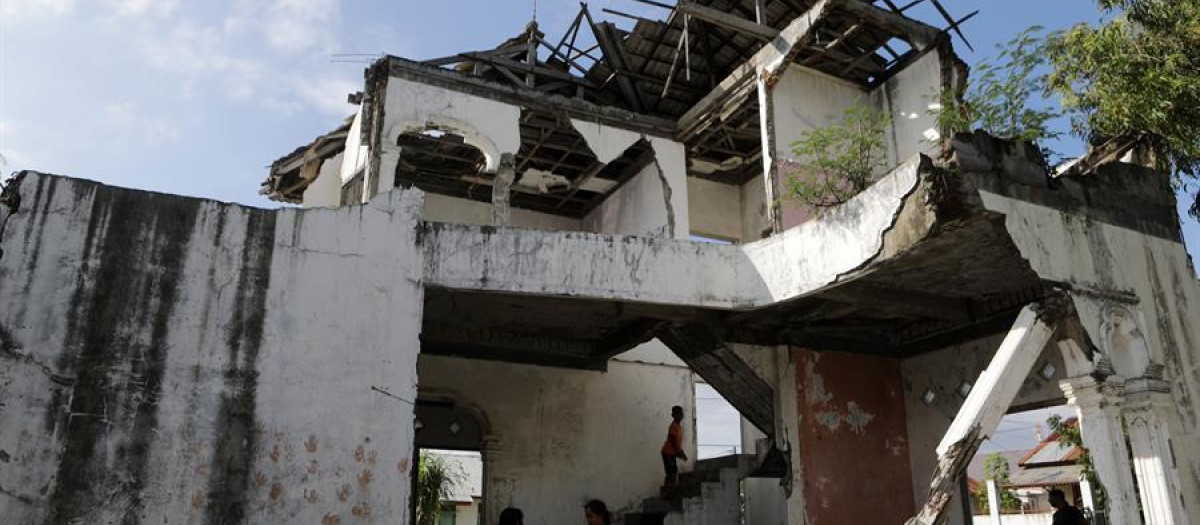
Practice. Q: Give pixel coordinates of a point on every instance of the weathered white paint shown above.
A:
(606, 142)
(671, 159)
(1098, 404)
(356, 154)
(311, 413)
(636, 208)
(998, 385)
(443, 208)
(562, 437)
(942, 372)
(1100, 258)
(715, 209)
(1153, 462)
(911, 98)
(684, 273)
(639, 207)
(754, 209)
(993, 496)
(326, 190)
(491, 126)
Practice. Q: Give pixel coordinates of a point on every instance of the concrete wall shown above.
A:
(805, 100)
(754, 209)
(715, 209)
(852, 444)
(1102, 257)
(173, 360)
(562, 437)
(443, 208)
(908, 98)
(636, 208)
(326, 190)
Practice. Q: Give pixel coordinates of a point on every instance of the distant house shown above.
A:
(462, 508)
(1034, 473)
(1050, 465)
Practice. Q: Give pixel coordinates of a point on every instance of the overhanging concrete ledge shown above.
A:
(887, 219)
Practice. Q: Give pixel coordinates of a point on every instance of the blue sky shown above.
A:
(198, 98)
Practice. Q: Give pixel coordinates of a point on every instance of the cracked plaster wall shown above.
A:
(1098, 257)
(175, 360)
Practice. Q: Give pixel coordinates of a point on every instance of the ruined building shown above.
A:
(496, 253)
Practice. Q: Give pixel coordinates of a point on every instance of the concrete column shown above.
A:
(502, 191)
(993, 501)
(1157, 480)
(1087, 493)
(389, 159)
(1098, 404)
(766, 117)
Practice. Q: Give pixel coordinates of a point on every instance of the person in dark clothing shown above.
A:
(1065, 513)
(511, 516)
(596, 513)
(672, 449)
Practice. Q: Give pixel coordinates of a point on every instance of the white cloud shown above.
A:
(15, 10)
(299, 26)
(145, 7)
(327, 95)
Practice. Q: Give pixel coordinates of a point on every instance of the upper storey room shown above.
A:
(678, 125)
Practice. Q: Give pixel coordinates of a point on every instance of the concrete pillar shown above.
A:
(1086, 492)
(989, 399)
(389, 159)
(1157, 480)
(502, 191)
(1098, 404)
(993, 501)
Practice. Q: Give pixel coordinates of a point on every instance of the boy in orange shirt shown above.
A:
(672, 449)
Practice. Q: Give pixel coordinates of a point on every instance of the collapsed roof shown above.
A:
(690, 74)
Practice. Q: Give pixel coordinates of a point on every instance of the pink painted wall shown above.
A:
(853, 439)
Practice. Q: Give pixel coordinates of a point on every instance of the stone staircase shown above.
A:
(709, 494)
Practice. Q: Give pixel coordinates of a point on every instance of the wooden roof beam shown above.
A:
(735, 90)
(728, 21)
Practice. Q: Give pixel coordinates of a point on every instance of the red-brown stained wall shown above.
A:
(853, 439)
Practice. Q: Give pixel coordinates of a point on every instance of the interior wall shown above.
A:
(563, 437)
(326, 190)
(754, 209)
(166, 359)
(715, 209)
(908, 97)
(805, 100)
(636, 208)
(853, 444)
(943, 372)
(443, 208)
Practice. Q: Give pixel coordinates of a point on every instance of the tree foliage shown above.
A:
(995, 466)
(835, 163)
(1003, 95)
(1137, 75)
(436, 479)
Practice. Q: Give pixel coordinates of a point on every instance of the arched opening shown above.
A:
(448, 451)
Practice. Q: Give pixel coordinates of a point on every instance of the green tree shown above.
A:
(837, 162)
(995, 466)
(1136, 76)
(436, 479)
(1004, 94)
